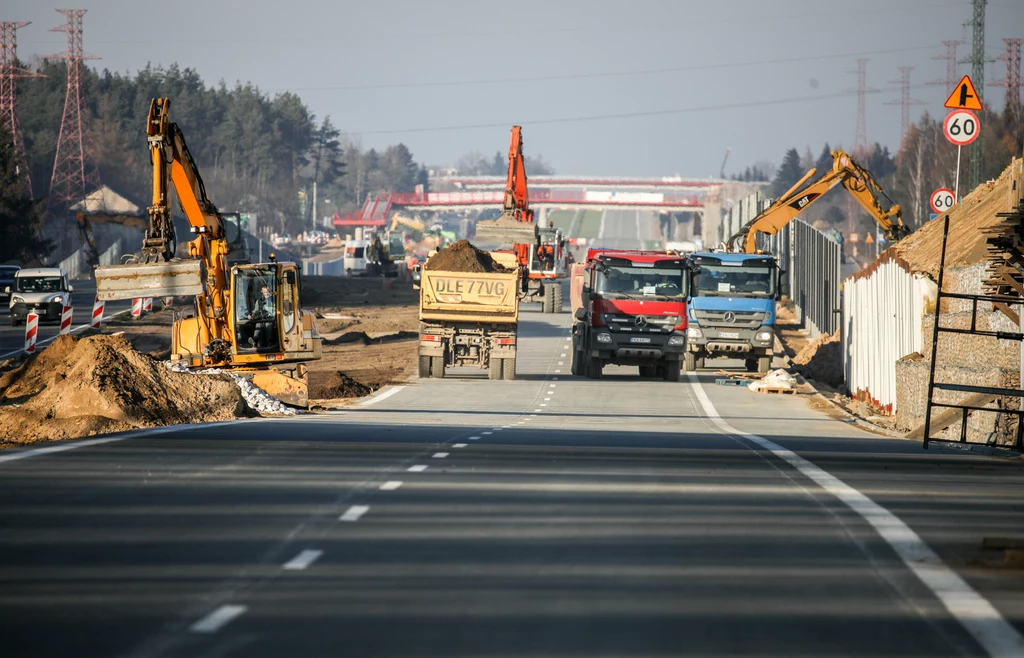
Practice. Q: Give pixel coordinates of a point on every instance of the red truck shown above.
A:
(631, 312)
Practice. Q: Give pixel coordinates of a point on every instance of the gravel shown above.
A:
(257, 399)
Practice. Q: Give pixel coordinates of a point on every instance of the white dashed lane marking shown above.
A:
(418, 468)
(440, 455)
(353, 513)
(459, 445)
(214, 621)
(390, 485)
(303, 560)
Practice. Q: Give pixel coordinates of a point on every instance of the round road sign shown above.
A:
(942, 199)
(961, 127)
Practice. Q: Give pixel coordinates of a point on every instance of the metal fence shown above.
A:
(812, 264)
(739, 213)
(883, 309)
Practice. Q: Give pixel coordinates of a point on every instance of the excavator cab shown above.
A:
(266, 313)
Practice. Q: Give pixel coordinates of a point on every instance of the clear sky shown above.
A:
(682, 79)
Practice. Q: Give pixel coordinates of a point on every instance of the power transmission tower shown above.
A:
(952, 74)
(69, 181)
(1012, 81)
(905, 100)
(860, 140)
(9, 74)
(977, 61)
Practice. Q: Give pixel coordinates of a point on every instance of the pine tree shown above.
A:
(20, 216)
(788, 174)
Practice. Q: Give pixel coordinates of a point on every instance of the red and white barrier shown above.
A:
(137, 307)
(147, 305)
(168, 301)
(97, 313)
(31, 330)
(65, 320)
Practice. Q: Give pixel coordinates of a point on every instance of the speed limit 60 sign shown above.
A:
(961, 127)
(942, 199)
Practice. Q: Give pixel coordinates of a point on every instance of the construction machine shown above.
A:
(248, 318)
(540, 253)
(858, 182)
(85, 220)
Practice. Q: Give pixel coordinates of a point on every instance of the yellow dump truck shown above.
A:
(469, 319)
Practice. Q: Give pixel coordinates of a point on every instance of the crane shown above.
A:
(248, 318)
(858, 182)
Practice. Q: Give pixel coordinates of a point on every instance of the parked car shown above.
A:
(39, 290)
(7, 273)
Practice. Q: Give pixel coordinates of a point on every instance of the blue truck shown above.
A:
(732, 309)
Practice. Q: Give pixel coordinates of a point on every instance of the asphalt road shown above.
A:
(12, 339)
(627, 229)
(547, 516)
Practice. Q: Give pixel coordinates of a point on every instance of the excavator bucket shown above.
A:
(290, 390)
(180, 277)
(505, 231)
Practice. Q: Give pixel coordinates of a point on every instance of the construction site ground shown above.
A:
(370, 336)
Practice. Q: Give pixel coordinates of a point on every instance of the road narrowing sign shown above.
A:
(961, 127)
(942, 200)
(964, 96)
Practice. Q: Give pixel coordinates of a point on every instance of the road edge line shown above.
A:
(381, 395)
(974, 612)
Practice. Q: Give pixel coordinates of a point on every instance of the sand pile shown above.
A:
(822, 360)
(82, 386)
(967, 225)
(464, 257)
(334, 385)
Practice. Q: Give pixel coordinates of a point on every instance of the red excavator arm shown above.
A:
(515, 227)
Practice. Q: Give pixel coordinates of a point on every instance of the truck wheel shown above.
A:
(751, 365)
(547, 300)
(700, 362)
(689, 362)
(764, 364)
(494, 369)
(594, 368)
(508, 369)
(437, 367)
(556, 299)
(424, 367)
(671, 371)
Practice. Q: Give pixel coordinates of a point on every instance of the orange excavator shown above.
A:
(540, 252)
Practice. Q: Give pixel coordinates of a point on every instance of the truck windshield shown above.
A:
(37, 284)
(626, 281)
(727, 281)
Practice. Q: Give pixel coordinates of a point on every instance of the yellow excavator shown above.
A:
(248, 318)
(858, 182)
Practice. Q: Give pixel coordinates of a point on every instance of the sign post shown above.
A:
(961, 125)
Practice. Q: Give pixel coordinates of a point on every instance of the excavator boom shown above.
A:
(516, 225)
(855, 179)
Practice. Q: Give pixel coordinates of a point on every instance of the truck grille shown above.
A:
(743, 319)
(628, 323)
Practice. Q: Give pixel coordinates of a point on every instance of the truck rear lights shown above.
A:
(430, 338)
(506, 341)
(604, 338)
(676, 340)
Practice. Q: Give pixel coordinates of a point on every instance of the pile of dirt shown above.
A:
(464, 257)
(967, 229)
(334, 385)
(97, 384)
(822, 360)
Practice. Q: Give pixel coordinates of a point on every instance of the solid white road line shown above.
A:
(390, 485)
(418, 468)
(353, 513)
(381, 396)
(459, 445)
(974, 612)
(214, 621)
(440, 455)
(303, 560)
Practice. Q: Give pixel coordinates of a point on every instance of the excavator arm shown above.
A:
(858, 182)
(516, 225)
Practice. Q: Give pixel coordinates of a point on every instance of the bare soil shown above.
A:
(464, 257)
(822, 360)
(97, 384)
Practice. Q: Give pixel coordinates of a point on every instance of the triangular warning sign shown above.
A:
(964, 96)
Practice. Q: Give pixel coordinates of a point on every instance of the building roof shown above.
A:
(106, 200)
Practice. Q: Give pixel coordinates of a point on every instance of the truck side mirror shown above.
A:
(783, 290)
(289, 276)
(581, 314)
(586, 290)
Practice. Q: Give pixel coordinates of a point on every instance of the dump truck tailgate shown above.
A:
(466, 297)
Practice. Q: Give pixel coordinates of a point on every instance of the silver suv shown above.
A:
(40, 290)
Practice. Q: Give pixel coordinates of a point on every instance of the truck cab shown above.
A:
(632, 313)
(732, 309)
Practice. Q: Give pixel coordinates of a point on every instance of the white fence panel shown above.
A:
(882, 316)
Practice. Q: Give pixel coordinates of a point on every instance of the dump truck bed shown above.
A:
(469, 297)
